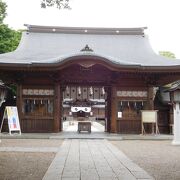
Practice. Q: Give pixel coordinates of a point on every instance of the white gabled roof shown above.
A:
(122, 46)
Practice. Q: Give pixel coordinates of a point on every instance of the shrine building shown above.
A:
(102, 74)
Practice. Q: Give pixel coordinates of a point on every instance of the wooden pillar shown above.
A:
(176, 140)
(150, 98)
(57, 114)
(107, 110)
(19, 100)
(113, 110)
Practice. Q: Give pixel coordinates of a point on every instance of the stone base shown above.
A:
(176, 143)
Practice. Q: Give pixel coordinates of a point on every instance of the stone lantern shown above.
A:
(174, 92)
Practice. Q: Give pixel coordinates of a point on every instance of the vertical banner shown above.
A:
(11, 114)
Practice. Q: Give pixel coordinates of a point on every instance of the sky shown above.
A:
(162, 17)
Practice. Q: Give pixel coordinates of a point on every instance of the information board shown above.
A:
(149, 116)
(11, 114)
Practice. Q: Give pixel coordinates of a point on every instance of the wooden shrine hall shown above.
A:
(108, 74)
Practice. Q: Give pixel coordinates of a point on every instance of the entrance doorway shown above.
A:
(82, 104)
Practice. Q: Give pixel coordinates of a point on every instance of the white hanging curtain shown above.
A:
(91, 90)
(79, 90)
(84, 109)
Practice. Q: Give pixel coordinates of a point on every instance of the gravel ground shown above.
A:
(159, 158)
(30, 143)
(25, 166)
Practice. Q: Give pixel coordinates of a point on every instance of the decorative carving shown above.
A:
(39, 92)
(87, 64)
(87, 49)
(132, 93)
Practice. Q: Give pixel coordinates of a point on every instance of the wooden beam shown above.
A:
(57, 114)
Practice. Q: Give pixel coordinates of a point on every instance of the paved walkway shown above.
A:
(72, 126)
(92, 160)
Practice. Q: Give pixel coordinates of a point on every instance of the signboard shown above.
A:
(13, 119)
(120, 114)
(149, 116)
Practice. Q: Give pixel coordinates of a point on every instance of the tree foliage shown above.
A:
(167, 54)
(9, 39)
(2, 11)
(60, 4)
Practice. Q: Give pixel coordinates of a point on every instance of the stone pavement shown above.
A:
(72, 126)
(92, 160)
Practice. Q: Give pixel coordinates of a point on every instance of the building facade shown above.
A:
(108, 74)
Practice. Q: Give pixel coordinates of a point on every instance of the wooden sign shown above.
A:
(11, 114)
(149, 116)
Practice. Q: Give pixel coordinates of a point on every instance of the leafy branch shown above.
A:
(60, 4)
(3, 14)
(167, 54)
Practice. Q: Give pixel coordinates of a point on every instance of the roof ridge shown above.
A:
(86, 30)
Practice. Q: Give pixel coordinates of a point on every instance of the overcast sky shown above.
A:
(162, 17)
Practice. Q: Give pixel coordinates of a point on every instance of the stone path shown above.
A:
(92, 160)
(72, 126)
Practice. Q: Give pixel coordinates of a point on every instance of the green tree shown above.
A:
(61, 4)
(167, 54)
(2, 11)
(9, 38)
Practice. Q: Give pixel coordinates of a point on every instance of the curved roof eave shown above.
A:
(86, 55)
(109, 62)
